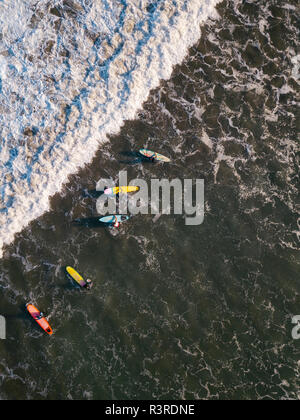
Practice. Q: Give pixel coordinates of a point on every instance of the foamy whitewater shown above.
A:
(70, 73)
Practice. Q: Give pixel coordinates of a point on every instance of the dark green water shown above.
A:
(177, 312)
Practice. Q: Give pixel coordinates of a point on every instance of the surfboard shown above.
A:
(111, 219)
(121, 190)
(43, 323)
(76, 276)
(149, 154)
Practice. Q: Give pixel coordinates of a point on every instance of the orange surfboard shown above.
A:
(36, 315)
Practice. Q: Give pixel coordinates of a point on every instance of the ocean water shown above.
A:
(176, 312)
(71, 72)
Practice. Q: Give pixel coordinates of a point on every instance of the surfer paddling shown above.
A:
(116, 222)
(153, 156)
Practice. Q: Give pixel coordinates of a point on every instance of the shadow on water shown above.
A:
(91, 222)
(130, 162)
(136, 158)
(70, 286)
(129, 154)
(70, 283)
(92, 193)
(22, 313)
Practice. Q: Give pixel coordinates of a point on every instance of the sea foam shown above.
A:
(71, 72)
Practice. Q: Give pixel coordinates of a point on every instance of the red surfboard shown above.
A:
(36, 315)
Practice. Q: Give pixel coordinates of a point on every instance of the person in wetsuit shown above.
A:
(89, 284)
(116, 222)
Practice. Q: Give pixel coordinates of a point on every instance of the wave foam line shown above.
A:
(71, 72)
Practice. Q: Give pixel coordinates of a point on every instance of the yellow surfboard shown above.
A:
(76, 276)
(121, 190)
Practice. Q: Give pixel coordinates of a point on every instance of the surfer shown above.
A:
(153, 158)
(89, 284)
(39, 316)
(116, 222)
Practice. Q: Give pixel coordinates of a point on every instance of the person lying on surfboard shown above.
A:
(39, 316)
(153, 158)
